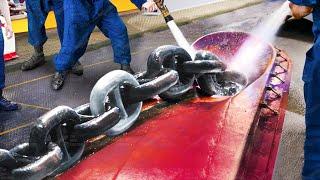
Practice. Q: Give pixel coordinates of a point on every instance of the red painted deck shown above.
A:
(198, 139)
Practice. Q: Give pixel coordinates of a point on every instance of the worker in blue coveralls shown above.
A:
(5, 105)
(311, 77)
(81, 17)
(37, 14)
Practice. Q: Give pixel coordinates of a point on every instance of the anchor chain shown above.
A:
(57, 140)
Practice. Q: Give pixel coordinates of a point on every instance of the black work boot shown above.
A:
(35, 61)
(6, 105)
(58, 79)
(77, 69)
(127, 68)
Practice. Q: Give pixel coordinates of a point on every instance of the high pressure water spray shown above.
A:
(181, 40)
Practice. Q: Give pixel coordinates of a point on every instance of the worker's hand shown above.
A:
(9, 33)
(299, 12)
(149, 6)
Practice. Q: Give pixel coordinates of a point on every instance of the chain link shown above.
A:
(58, 138)
(22, 163)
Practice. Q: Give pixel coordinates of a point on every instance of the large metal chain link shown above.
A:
(22, 163)
(173, 58)
(57, 140)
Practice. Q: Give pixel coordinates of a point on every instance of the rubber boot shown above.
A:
(6, 105)
(58, 79)
(35, 61)
(77, 69)
(127, 68)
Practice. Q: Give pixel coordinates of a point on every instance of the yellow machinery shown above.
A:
(21, 25)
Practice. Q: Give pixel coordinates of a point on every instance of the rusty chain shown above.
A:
(57, 140)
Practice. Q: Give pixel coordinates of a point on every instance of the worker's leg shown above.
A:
(77, 30)
(2, 75)
(5, 105)
(311, 169)
(37, 14)
(57, 6)
(113, 27)
(73, 47)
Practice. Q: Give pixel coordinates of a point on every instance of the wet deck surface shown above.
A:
(32, 91)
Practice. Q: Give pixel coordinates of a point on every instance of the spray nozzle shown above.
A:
(164, 10)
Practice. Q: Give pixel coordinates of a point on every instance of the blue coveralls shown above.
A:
(2, 76)
(81, 17)
(311, 77)
(37, 14)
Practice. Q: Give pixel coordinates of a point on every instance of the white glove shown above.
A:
(149, 6)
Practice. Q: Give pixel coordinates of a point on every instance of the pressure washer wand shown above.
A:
(164, 10)
(181, 40)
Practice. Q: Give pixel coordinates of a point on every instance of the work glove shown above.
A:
(299, 12)
(149, 6)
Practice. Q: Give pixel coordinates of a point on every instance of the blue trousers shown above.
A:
(37, 14)
(311, 76)
(82, 16)
(2, 76)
